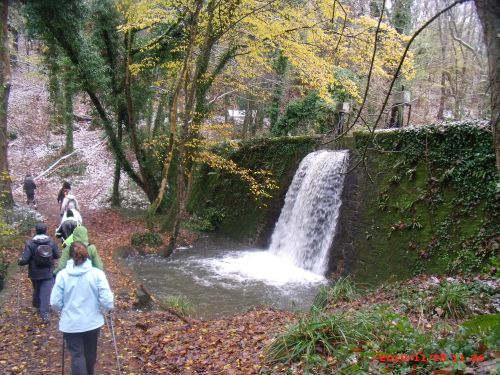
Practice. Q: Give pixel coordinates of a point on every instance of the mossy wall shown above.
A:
(429, 205)
(432, 207)
(226, 200)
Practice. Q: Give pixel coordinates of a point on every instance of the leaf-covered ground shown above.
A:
(148, 342)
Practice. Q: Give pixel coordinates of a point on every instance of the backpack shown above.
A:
(71, 204)
(43, 256)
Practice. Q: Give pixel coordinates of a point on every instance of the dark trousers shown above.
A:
(30, 197)
(83, 349)
(41, 294)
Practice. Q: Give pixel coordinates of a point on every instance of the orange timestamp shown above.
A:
(421, 357)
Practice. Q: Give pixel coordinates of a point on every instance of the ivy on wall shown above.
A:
(442, 187)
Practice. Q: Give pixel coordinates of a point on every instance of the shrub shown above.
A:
(209, 221)
(453, 299)
(147, 239)
(12, 135)
(309, 114)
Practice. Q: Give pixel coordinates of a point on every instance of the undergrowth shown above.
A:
(369, 338)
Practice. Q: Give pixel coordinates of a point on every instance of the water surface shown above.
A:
(221, 278)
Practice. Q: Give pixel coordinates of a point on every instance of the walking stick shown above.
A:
(112, 330)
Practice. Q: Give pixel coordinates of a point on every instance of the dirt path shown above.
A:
(28, 346)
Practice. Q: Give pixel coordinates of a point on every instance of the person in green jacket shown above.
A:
(79, 234)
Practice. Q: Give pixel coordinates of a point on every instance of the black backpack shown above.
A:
(43, 256)
(71, 204)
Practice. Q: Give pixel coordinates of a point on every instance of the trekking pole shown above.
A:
(62, 363)
(112, 330)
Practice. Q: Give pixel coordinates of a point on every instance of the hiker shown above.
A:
(80, 234)
(69, 202)
(60, 197)
(68, 224)
(29, 187)
(74, 214)
(39, 254)
(81, 292)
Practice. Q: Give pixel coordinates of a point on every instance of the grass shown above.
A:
(453, 299)
(179, 303)
(349, 340)
(343, 289)
(313, 336)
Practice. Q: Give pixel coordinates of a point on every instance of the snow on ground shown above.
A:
(36, 148)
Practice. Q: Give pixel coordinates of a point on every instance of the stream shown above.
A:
(220, 278)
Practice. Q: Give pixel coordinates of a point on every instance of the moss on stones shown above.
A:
(433, 207)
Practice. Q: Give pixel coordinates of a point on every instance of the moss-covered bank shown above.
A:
(433, 206)
(222, 200)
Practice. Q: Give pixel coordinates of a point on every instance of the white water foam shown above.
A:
(243, 266)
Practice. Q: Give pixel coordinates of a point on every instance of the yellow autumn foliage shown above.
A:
(309, 33)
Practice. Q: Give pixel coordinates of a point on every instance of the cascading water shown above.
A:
(306, 227)
(224, 278)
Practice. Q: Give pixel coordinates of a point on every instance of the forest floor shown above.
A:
(228, 346)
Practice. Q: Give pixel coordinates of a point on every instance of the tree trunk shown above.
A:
(158, 125)
(280, 67)
(15, 44)
(68, 109)
(115, 196)
(246, 121)
(489, 14)
(442, 98)
(5, 82)
(149, 186)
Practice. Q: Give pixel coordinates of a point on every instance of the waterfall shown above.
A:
(306, 226)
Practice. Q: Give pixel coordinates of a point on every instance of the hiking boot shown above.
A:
(45, 318)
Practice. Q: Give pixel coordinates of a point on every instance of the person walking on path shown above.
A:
(74, 214)
(69, 202)
(29, 188)
(69, 222)
(81, 292)
(60, 197)
(39, 254)
(80, 234)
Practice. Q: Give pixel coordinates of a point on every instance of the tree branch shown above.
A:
(367, 88)
(396, 74)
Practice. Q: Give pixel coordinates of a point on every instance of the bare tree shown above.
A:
(5, 83)
(489, 14)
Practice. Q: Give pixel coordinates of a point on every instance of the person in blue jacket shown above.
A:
(81, 292)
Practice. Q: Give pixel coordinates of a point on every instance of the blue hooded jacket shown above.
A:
(81, 293)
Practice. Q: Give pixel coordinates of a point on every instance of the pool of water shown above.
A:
(220, 278)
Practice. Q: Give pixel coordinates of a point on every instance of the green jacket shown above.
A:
(79, 234)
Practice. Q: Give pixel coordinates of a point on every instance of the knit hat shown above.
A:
(41, 228)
